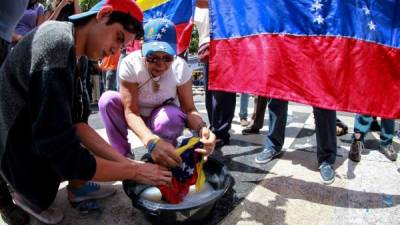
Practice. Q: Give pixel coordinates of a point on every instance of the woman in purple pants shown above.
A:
(155, 99)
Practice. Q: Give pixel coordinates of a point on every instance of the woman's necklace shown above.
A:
(154, 82)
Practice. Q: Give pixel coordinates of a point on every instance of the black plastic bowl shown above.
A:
(195, 211)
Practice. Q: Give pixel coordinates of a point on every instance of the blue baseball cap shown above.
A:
(159, 36)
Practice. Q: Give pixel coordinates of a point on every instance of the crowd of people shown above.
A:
(53, 70)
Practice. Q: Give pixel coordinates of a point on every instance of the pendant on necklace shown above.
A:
(156, 86)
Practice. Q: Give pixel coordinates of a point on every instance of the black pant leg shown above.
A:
(223, 111)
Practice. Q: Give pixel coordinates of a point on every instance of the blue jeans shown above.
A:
(244, 103)
(362, 124)
(111, 80)
(325, 128)
(121, 57)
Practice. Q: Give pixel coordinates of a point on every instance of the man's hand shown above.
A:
(208, 139)
(164, 154)
(153, 174)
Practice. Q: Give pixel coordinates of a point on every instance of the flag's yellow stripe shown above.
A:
(201, 176)
(149, 4)
(190, 144)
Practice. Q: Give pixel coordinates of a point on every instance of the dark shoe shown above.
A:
(267, 155)
(375, 126)
(341, 128)
(250, 130)
(244, 122)
(389, 152)
(327, 173)
(340, 131)
(220, 143)
(355, 151)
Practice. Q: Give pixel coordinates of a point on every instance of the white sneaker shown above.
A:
(51, 215)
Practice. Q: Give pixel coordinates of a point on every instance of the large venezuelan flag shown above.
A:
(334, 54)
(180, 12)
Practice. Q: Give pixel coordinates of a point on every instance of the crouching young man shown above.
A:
(43, 114)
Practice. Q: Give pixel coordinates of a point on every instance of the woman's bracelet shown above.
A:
(152, 143)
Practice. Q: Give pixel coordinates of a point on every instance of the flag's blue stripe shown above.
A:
(178, 11)
(349, 18)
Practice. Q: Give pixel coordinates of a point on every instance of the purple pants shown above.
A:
(167, 121)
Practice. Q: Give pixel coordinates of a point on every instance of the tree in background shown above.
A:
(194, 42)
(87, 4)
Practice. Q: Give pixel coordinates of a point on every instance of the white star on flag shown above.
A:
(183, 166)
(190, 170)
(371, 25)
(319, 19)
(163, 30)
(159, 36)
(316, 6)
(366, 10)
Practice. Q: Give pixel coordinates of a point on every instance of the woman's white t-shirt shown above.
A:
(133, 69)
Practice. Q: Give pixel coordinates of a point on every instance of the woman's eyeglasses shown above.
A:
(156, 59)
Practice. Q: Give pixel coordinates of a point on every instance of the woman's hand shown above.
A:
(63, 3)
(208, 139)
(164, 154)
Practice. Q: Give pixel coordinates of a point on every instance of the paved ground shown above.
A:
(286, 190)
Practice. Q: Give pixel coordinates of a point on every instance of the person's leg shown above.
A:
(244, 104)
(167, 122)
(28, 175)
(277, 123)
(112, 113)
(276, 134)
(10, 213)
(375, 125)
(387, 134)
(110, 80)
(260, 113)
(325, 128)
(96, 88)
(223, 111)
(208, 95)
(258, 118)
(362, 124)
(121, 57)
(387, 131)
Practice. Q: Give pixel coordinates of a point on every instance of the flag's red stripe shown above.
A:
(329, 72)
(183, 35)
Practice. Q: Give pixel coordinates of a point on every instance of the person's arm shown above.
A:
(57, 10)
(96, 144)
(202, 3)
(146, 173)
(194, 120)
(16, 38)
(163, 152)
(41, 17)
(77, 7)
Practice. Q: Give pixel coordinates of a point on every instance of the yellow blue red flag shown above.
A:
(188, 173)
(180, 12)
